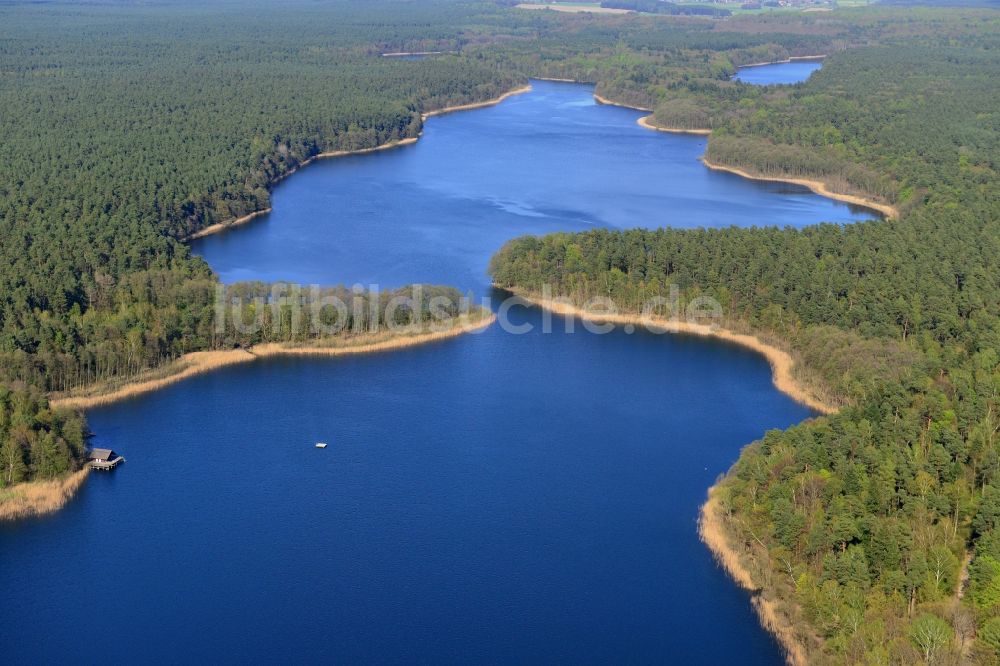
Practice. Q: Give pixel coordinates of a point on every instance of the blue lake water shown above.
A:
(493, 498)
(779, 73)
(436, 211)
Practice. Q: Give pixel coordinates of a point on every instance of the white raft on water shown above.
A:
(320, 445)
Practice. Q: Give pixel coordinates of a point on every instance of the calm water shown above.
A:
(436, 211)
(492, 498)
(779, 73)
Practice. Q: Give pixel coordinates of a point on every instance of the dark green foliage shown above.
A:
(36, 442)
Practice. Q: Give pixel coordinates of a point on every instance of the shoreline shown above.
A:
(235, 222)
(398, 143)
(557, 80)
(476, 105)
(37, 498)
(713, 534)
(781, 361)
(817, 186)
(783, 62)
(605, 100)
(400, 54)
(645, 122)
(196, 363)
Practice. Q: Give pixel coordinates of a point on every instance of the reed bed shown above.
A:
(36, 498)
(712, 530)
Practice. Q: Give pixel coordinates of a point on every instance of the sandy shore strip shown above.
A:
(228, 224)
(605, 100)
(817, 186)
(645, 121)
(235, 222)
(781, 362)
(711, 529)
(478, 105)
(36, 498)
(196, 363)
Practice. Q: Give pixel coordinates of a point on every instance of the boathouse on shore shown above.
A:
(103, 459)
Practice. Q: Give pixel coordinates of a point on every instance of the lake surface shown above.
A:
(784, 73)
(436, 211)
(492, 498)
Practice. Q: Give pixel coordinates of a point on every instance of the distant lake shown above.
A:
(795, 71)
(494, 498)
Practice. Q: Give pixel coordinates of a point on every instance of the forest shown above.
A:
(129, 127)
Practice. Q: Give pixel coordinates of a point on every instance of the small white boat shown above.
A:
(320, 445)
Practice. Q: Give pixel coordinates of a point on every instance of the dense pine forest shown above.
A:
(129, 127)
(858, 523)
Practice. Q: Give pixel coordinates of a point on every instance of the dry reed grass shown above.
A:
(199, 362)
(605, 100)
(817, 186)
(477, 105)
(712, 530)
(36, 498)
(575, 9)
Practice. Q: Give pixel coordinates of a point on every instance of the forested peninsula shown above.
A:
(131, 128)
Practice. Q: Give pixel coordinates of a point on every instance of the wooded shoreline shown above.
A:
(399, 143)
(817, 186)
(713, 533)
(785, 61)
(645, 122)
(33, 498)
(196, 363)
